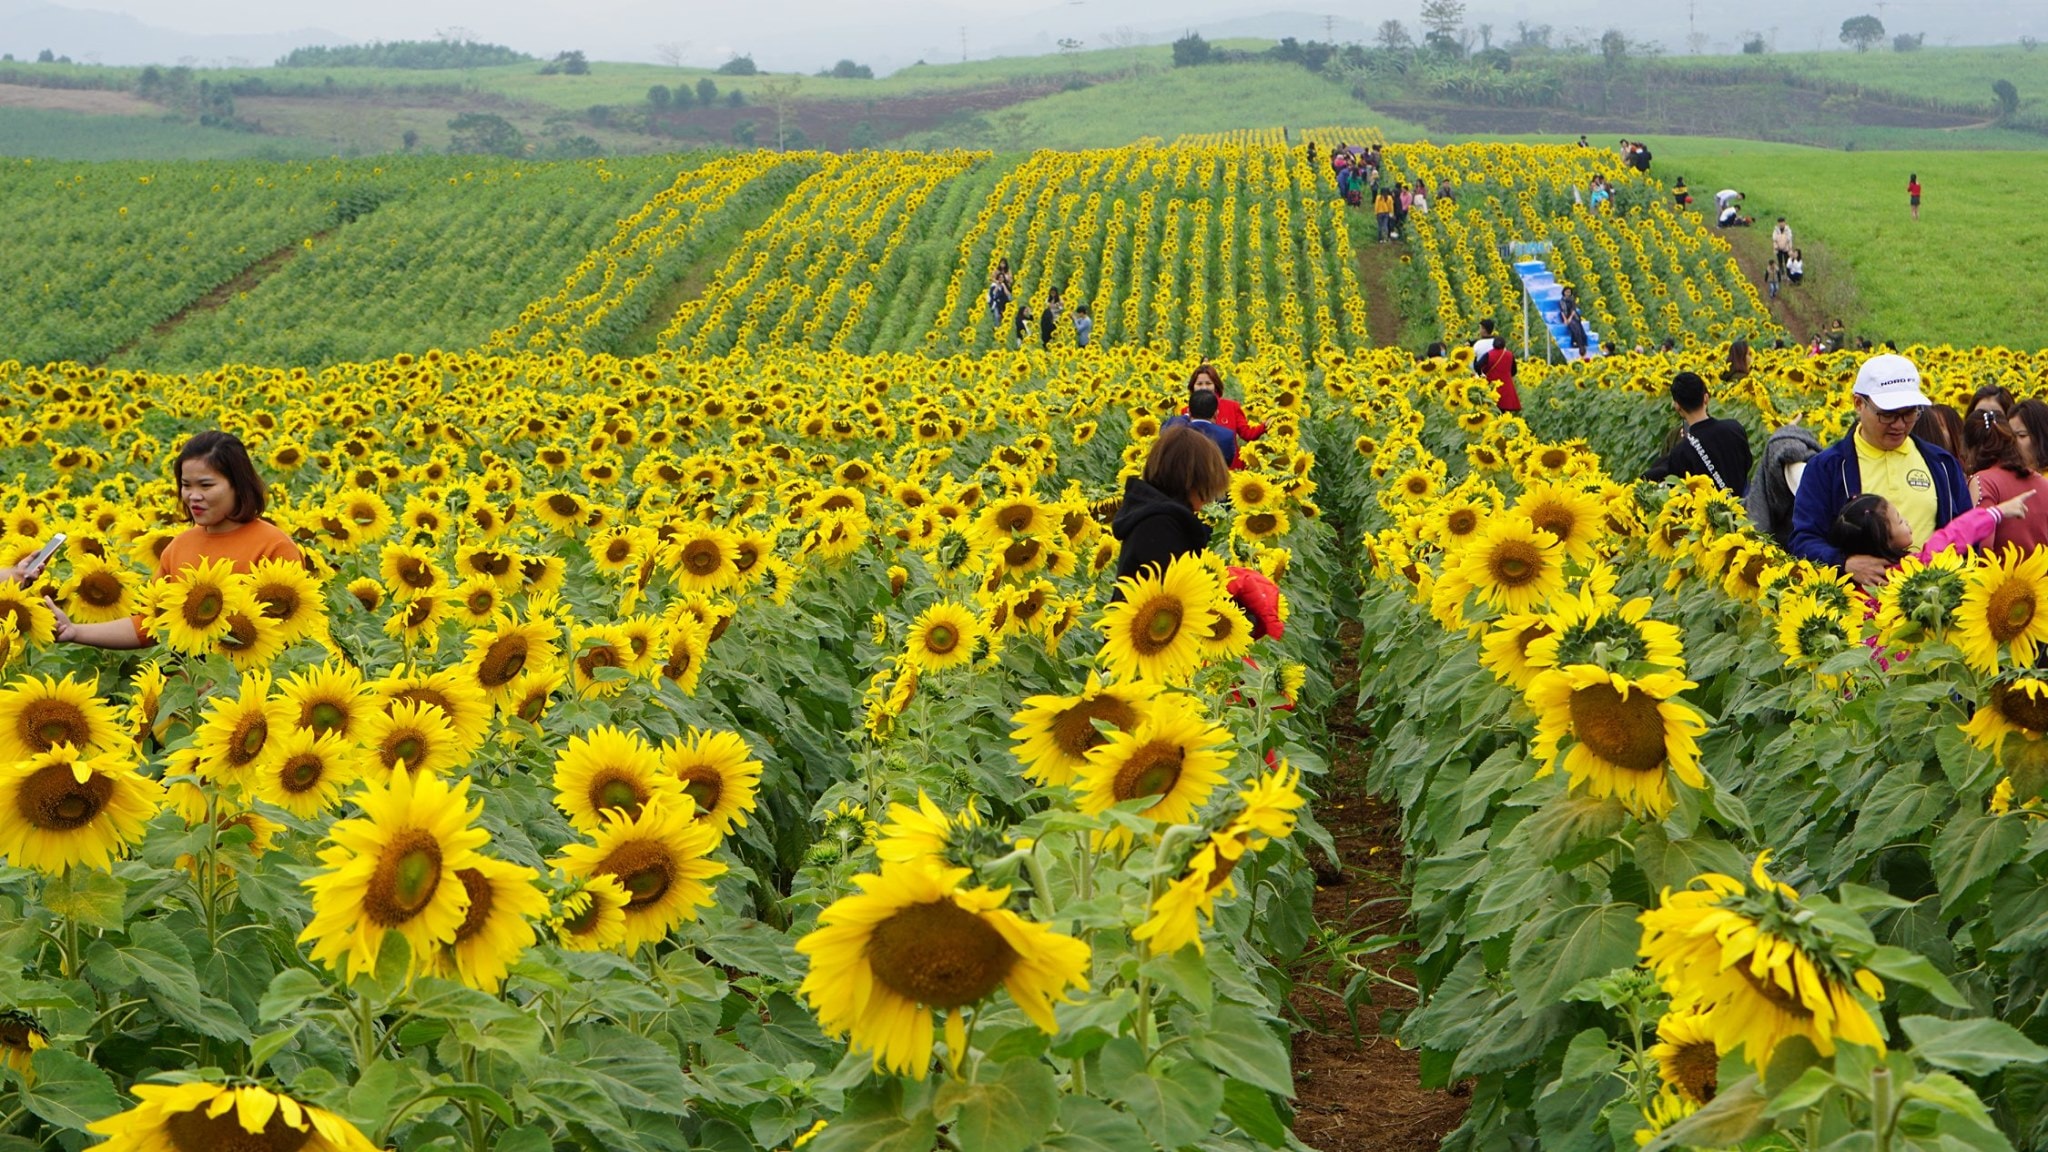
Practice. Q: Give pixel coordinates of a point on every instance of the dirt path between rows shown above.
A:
(1377, 265)
(220, 294)
(1795, 309)
(1361, 1093)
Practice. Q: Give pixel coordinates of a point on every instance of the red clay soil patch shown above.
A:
(1362, 1094)
(830, 123)
(91, 101)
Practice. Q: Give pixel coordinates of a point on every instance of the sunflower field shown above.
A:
(745, 746)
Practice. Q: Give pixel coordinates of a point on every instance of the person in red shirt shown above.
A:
(1229, 413)
(224, 498)
(1498, 365)
(1913, 192)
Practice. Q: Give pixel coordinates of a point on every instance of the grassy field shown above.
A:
(1957, 74)
(1960, 274)
(60, 135)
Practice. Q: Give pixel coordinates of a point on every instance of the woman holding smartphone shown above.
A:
(224, 498)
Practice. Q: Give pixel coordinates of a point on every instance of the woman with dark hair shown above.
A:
(1158, 520)
(1868, 525)
(2029, 423)
(1939, 423)
(1229, 413)
(1738, 361)
(2000, 470)
(1991, 396)
(224, 498)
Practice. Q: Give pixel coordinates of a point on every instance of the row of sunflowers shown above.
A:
(655, 754)
(1708, 849)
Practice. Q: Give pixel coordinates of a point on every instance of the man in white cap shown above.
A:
(1881, 455)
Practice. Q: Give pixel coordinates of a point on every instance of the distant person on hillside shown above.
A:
(1781, 242)
(1582, 141)
(1084, 326)
(1716, 449)
(998, 299)
(1725, 197)
(1435, 351)
(1420, 200)
(1681, 194)
(1771, 279)
(1837, 336)
(1913, 193)
(1049, 319)
(1017, 326)
(1311, 153)
(1732, 217)
(1600, 193)
(1383, 211)
(1795, 268)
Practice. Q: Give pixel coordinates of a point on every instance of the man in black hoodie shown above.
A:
(1158, 520)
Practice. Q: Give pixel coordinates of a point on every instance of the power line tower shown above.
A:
(1330, 28)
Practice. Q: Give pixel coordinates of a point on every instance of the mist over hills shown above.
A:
(804, 35)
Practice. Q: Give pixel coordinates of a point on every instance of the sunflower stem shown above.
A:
(70, 945)
(1881, 1110)
(366, 1031)
(470, 1107)
(1040, 883)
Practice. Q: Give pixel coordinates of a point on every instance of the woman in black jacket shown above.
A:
(1158, 520)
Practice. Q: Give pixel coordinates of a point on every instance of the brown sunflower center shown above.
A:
(941, 638)
(502, 661)
(1224, 628)
(1152, 770)
(279, 601)
(403, 748)
(242, 633)
(1696, 1068)
(1074, 729)
(249, 737)
(602, 656)
(703, 785)
(480, 896)
(1624, 731)
(100, 589)
(195, 1131)
(702, 557)
(1515, 563)
(939, 954)
(1462, 522)
(1155, 624)
(618, 790)
(302, 773)
(2021, 709)
(52, 799)
(323, 716)
(202, 606)
(1261, 523)
(407, 874)
(644, 868)
(1021, 553)
(46, 723)
(564, 505)
(2010, 610)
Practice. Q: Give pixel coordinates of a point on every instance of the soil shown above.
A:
(1795, 307)
(1377, 264)
(92, 101)
(1362, 1093)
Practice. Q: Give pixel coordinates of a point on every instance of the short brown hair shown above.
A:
(1184, 464)
(224, 453)
(1210, 371)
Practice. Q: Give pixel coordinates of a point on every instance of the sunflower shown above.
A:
(1810, 631)
(504, 900)
(1229, 635)
(499, 655)
(599, 647)
(1568, 513)
(926, 834)
(1665, 1109)
(2015, 704)
(1178, 912)
(1505, 649)
(457, 697)
(1262, 525)
(1686, 1059)
(1759, 965)
(1920, 600)
(1175, 758)
(705, 558)
(392, 869)
(683, 644)
(38, 713)
(28, 614)
(914, 941)
(192, 607)
(143, 710)
(1054, 734)
(291, 599)
(660, 857)
(417, 621)
(1513, 565)
(1251, 490)
(530, 695)
(239, 735)
(20, 1039)
(306, 771)
(1593, 628)
(62, 808)
(561, 510)
(199, 1117)
(1629, 736)
(719, 773)
(251, 640)
(410, 739)
(593, 917)
(2005, 606)
(608, 774)
(99, 591)
(328, 698)
(942, 637)
(1156, 631)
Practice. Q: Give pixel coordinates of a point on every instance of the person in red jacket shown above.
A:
(1498, 365)
(1229, 413)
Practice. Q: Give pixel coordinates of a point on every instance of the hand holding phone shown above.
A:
(32, 567)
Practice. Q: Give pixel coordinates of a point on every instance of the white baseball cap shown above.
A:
(1891, 382)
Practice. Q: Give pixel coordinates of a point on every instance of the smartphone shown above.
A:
(33, 567)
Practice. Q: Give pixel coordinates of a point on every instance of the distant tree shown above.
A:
(1191, 50)
(1860, 32)
(600, 114)
(1069, 44)
(46, 57)
(1614, 47)
(1908, 41)
(660, 96)
(671, 52)
(707, 91)
(1315, 55)
(780, 95)
(848, 70)
(743, 133)
(2008, 98)
(1393, 36)
(455, 48)
(1485, 37)
(2029, 43)
(411, 139)
(681, 96)
(485, 133)
(735, 99)
(862, 136)
(1532, 37)
(739, 66)
(571, 63)
(1755, 46)
(1497, 59)
(1441, 21)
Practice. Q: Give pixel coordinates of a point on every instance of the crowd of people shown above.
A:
(1002, 291)
(1912, 477)
(1360, 177)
